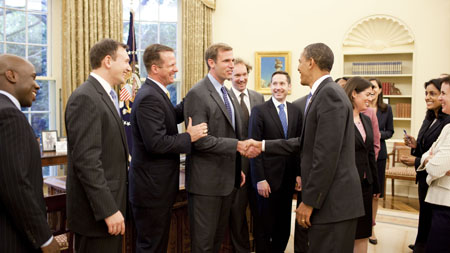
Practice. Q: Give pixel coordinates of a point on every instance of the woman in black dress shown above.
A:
(386, 125)
(359, 91)
(430, 130)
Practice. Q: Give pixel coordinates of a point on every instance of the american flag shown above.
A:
(124, 94)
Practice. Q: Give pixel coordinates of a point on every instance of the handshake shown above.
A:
(249, 148)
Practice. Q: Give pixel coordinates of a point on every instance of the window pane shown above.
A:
(148, 34)
(15, 49)
(37, 55)
(126, 8)
(168, 34)
(39, 122)
(15, 26)
(126, 26)
(173, 93)
(37, 29)
(148, 10)
(42, 98)
(18, 4)
(168, 11)
(142, 70)
(37, 5)
(1, 23)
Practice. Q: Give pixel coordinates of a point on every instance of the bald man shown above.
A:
(23, 220)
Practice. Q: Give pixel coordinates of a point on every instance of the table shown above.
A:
(49, 158)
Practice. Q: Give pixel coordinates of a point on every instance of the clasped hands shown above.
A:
(249, 148)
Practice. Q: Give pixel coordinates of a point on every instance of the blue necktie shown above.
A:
(307, 101)
(226, 101)
(116, 103)
(283, 119)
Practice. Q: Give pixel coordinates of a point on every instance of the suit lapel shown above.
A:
(163, 95)
(218, 99)
(311, 101)
(107, 100)
(274, 113)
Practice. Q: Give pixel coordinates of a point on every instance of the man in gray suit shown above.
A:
(331, 191)
(213, 168)
(98, 153)
(247, 100)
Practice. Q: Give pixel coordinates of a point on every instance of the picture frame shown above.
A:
(49, 139)
(265, 64)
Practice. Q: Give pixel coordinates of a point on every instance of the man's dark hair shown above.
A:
(240, 61)
(322, 55)
(357, 84)
(213, 50)
(281, 72)
(445, 80)
(103, 48)
(343, 78)
(152, 55)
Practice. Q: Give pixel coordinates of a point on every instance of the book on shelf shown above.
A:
(377, 68)
(403, 110)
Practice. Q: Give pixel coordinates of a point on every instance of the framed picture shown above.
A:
(265, 64)
(49, 139)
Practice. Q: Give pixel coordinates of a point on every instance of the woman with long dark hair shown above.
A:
(359, 92)
(431, 128)
(386, 125)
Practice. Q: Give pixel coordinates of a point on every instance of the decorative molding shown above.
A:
(378, 32)
(210, 3)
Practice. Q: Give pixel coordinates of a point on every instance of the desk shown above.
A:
(55, 185)
(49, 158)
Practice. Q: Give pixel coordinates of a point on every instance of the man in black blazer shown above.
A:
(274, 176)
(155, 165)
(213, 171)
(247, 99)
(331, 190)
(23, 217)
(98, 153)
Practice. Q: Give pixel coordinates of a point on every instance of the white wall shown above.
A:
(290, 25)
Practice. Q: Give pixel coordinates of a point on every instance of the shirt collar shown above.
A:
(218, 86)
(317, 83)
(277, 103)
(106, 86)
(238, 93)
(12, 98)
(159, 85)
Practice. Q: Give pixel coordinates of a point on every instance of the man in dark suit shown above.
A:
(245, 195)
(23, 217)
(274, 176)
(331, 191)
(155, 165)
(213, 170)
(98, 153)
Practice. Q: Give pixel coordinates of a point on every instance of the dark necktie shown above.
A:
(226, 101)
(116, 103)
(283, 119)
(307, 102)
(245, 114)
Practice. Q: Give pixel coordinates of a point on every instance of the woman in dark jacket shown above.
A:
(430, 130)
(386, 125)
(359, 92)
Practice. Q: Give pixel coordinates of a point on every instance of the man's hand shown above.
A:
(410, 141)
(197, 131)
(303, 215)
(263, 188)
(298, 183)
(242, 178)
(242, 147)
(52, 247)
(116, 224)
(254, 148)
(408, 160)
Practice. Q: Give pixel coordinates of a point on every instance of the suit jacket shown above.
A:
(427, 135)
(439, 184)
(213, 166)
(301, 104)
(23, 216)
(97, 160)
(386, 124)
(330, 180)
(255, 98)
(365, 154)
(265, 124)
(155, 165)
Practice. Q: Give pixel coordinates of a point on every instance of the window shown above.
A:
(24, 26)
(155, 21)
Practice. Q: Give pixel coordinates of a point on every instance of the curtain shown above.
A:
(85, 22)
(197, 15)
